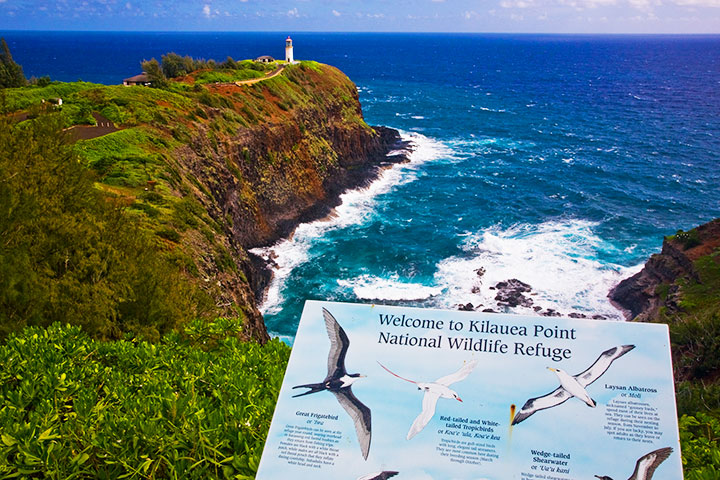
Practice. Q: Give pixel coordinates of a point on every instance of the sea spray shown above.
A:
(557, 258)
(356, 207)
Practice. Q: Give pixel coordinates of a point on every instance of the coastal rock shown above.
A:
(288, 164)
(640, 298)
(510, 293)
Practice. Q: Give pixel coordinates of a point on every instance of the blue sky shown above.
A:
(554, 16)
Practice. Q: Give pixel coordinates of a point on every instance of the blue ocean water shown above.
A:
(557, 160)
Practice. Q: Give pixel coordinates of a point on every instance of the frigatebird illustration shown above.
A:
(646, 465)
(572, 386)
(384, 475)
(339, 382)
(433, 391)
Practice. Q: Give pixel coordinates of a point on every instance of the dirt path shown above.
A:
(272, 74)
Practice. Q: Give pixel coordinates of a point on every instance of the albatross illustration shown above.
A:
(572, 386)
(384, 475)
(646, 465)
(433, 391)
(339, 382)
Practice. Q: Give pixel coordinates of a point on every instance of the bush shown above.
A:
(194, 405)
(699, 437)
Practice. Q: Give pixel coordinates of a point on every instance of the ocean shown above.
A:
(558, 160)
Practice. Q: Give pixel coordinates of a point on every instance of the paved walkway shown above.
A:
(86, 132)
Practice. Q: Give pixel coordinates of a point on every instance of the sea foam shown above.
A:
(356, 207)
(557, 258)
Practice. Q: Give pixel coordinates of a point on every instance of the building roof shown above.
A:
(264, 57)
(143, 77)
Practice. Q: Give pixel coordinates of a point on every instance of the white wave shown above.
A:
(356, 207)
(367, 287)
(418, 117)
(557, 258)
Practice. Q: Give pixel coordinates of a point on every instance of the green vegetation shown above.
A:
(117, 249)
(173, 66)
(692, 311)
(11, 74)
(699, 436)
(193, 405)
(68, 253)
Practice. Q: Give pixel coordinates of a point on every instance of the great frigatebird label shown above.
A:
(374, 392)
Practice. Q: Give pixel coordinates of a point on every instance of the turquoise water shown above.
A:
(557, 160)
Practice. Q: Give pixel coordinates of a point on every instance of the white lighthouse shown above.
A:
(289, 50)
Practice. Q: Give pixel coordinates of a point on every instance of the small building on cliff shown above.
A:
(265, 59)
(141, 79)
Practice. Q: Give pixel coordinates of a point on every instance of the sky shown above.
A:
(486, 16)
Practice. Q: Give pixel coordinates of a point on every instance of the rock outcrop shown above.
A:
(643, 295)
(308, 144)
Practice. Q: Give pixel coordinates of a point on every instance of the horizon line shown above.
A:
(386, 32)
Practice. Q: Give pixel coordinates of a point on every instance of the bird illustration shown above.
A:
(384, 475)
(433, 391)
(339, 382)
(646, 465)
(572, 386)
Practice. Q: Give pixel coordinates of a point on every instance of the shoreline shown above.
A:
(396, 151)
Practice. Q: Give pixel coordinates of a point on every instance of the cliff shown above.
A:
(680, 286)
(656, 289)
(213, 167)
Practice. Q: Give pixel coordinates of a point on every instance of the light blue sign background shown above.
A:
(497, 381)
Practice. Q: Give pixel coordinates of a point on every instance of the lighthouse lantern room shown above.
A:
(289, 50)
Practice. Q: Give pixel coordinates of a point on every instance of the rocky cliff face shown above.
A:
(258, 182)
(655, 287)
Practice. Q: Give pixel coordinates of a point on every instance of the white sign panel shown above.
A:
(377, 392)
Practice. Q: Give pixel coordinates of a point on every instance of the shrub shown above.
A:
(699, 437)
(193, 405)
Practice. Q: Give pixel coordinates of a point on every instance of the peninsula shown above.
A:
(216, 160)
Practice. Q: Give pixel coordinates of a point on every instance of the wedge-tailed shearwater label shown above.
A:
(425, 394)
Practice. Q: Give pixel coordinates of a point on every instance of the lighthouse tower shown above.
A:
(289, 50)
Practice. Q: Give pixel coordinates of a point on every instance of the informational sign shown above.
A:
(377, 392)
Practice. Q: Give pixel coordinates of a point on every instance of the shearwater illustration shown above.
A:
(339, 382)
(646, 465)
(572, 385)
(433, 391)
(384, 475)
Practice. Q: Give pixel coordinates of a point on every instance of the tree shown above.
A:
(70, 254)
(154, 72)
(11, 74)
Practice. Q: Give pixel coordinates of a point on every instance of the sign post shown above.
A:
(374, 392)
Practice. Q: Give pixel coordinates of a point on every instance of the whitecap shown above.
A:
(559, 259)
(368, 287)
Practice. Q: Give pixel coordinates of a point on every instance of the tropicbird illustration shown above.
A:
(384, 475)
(433, 391)
(646, 465)
(339, 382)
(572, 386)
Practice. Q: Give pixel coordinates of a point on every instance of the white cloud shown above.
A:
(128, 5)
(206, 10)
(470, 14)
(336, 13)
(517, 3)
(293, 13)
(697, 3)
